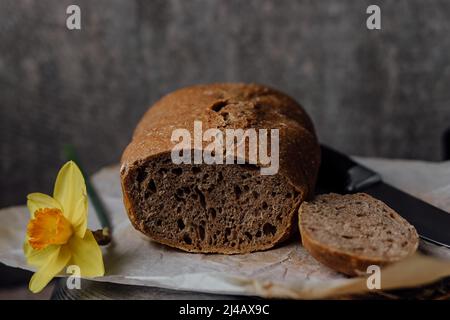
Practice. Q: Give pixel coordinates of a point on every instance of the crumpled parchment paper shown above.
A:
(287, 271)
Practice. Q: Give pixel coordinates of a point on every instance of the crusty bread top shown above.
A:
(231, 106)
(357, 225)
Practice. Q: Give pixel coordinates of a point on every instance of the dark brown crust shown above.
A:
(249, 106)
(338, 261)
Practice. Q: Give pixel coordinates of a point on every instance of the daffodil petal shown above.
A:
(37, 258)
(36, 201)
(57, 260)
(87, 255)
(69, 188)
(79, 218)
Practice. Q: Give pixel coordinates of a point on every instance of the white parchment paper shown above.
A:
(287, 271)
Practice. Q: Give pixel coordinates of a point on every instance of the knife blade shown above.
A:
(340, 174)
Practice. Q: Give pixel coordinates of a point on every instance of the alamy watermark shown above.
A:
(74, 280)
(374, 280)
(73, 21)
(373, 22)
(227, 146)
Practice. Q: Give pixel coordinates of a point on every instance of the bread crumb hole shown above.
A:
(212, 213)
(264, 205)
(269, 229)
(237, 192)
(201, 232)
(141, 176)
(219, 105)
(177, 171)
(201, 197)
(180, 224)
(225, 115)
(187, 239)
(196, 170)
(152, 185)
(180, 192)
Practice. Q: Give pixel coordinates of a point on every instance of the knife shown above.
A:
(340, 174)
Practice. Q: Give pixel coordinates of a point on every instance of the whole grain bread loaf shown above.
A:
(348, 233)
(222, 208)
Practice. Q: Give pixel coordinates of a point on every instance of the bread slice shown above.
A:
(350, 232)
(219, 208)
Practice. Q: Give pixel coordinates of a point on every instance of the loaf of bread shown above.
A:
(219, 208)
(348, 233)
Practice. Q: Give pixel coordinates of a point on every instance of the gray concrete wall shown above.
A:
(375, 93)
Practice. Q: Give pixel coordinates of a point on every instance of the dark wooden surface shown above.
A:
(378, 93)
(91, 290)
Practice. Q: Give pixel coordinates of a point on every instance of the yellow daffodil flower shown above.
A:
(57, 233)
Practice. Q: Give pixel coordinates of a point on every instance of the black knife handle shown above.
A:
(339, 173)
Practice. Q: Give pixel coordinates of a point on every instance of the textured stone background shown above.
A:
(376, 93)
